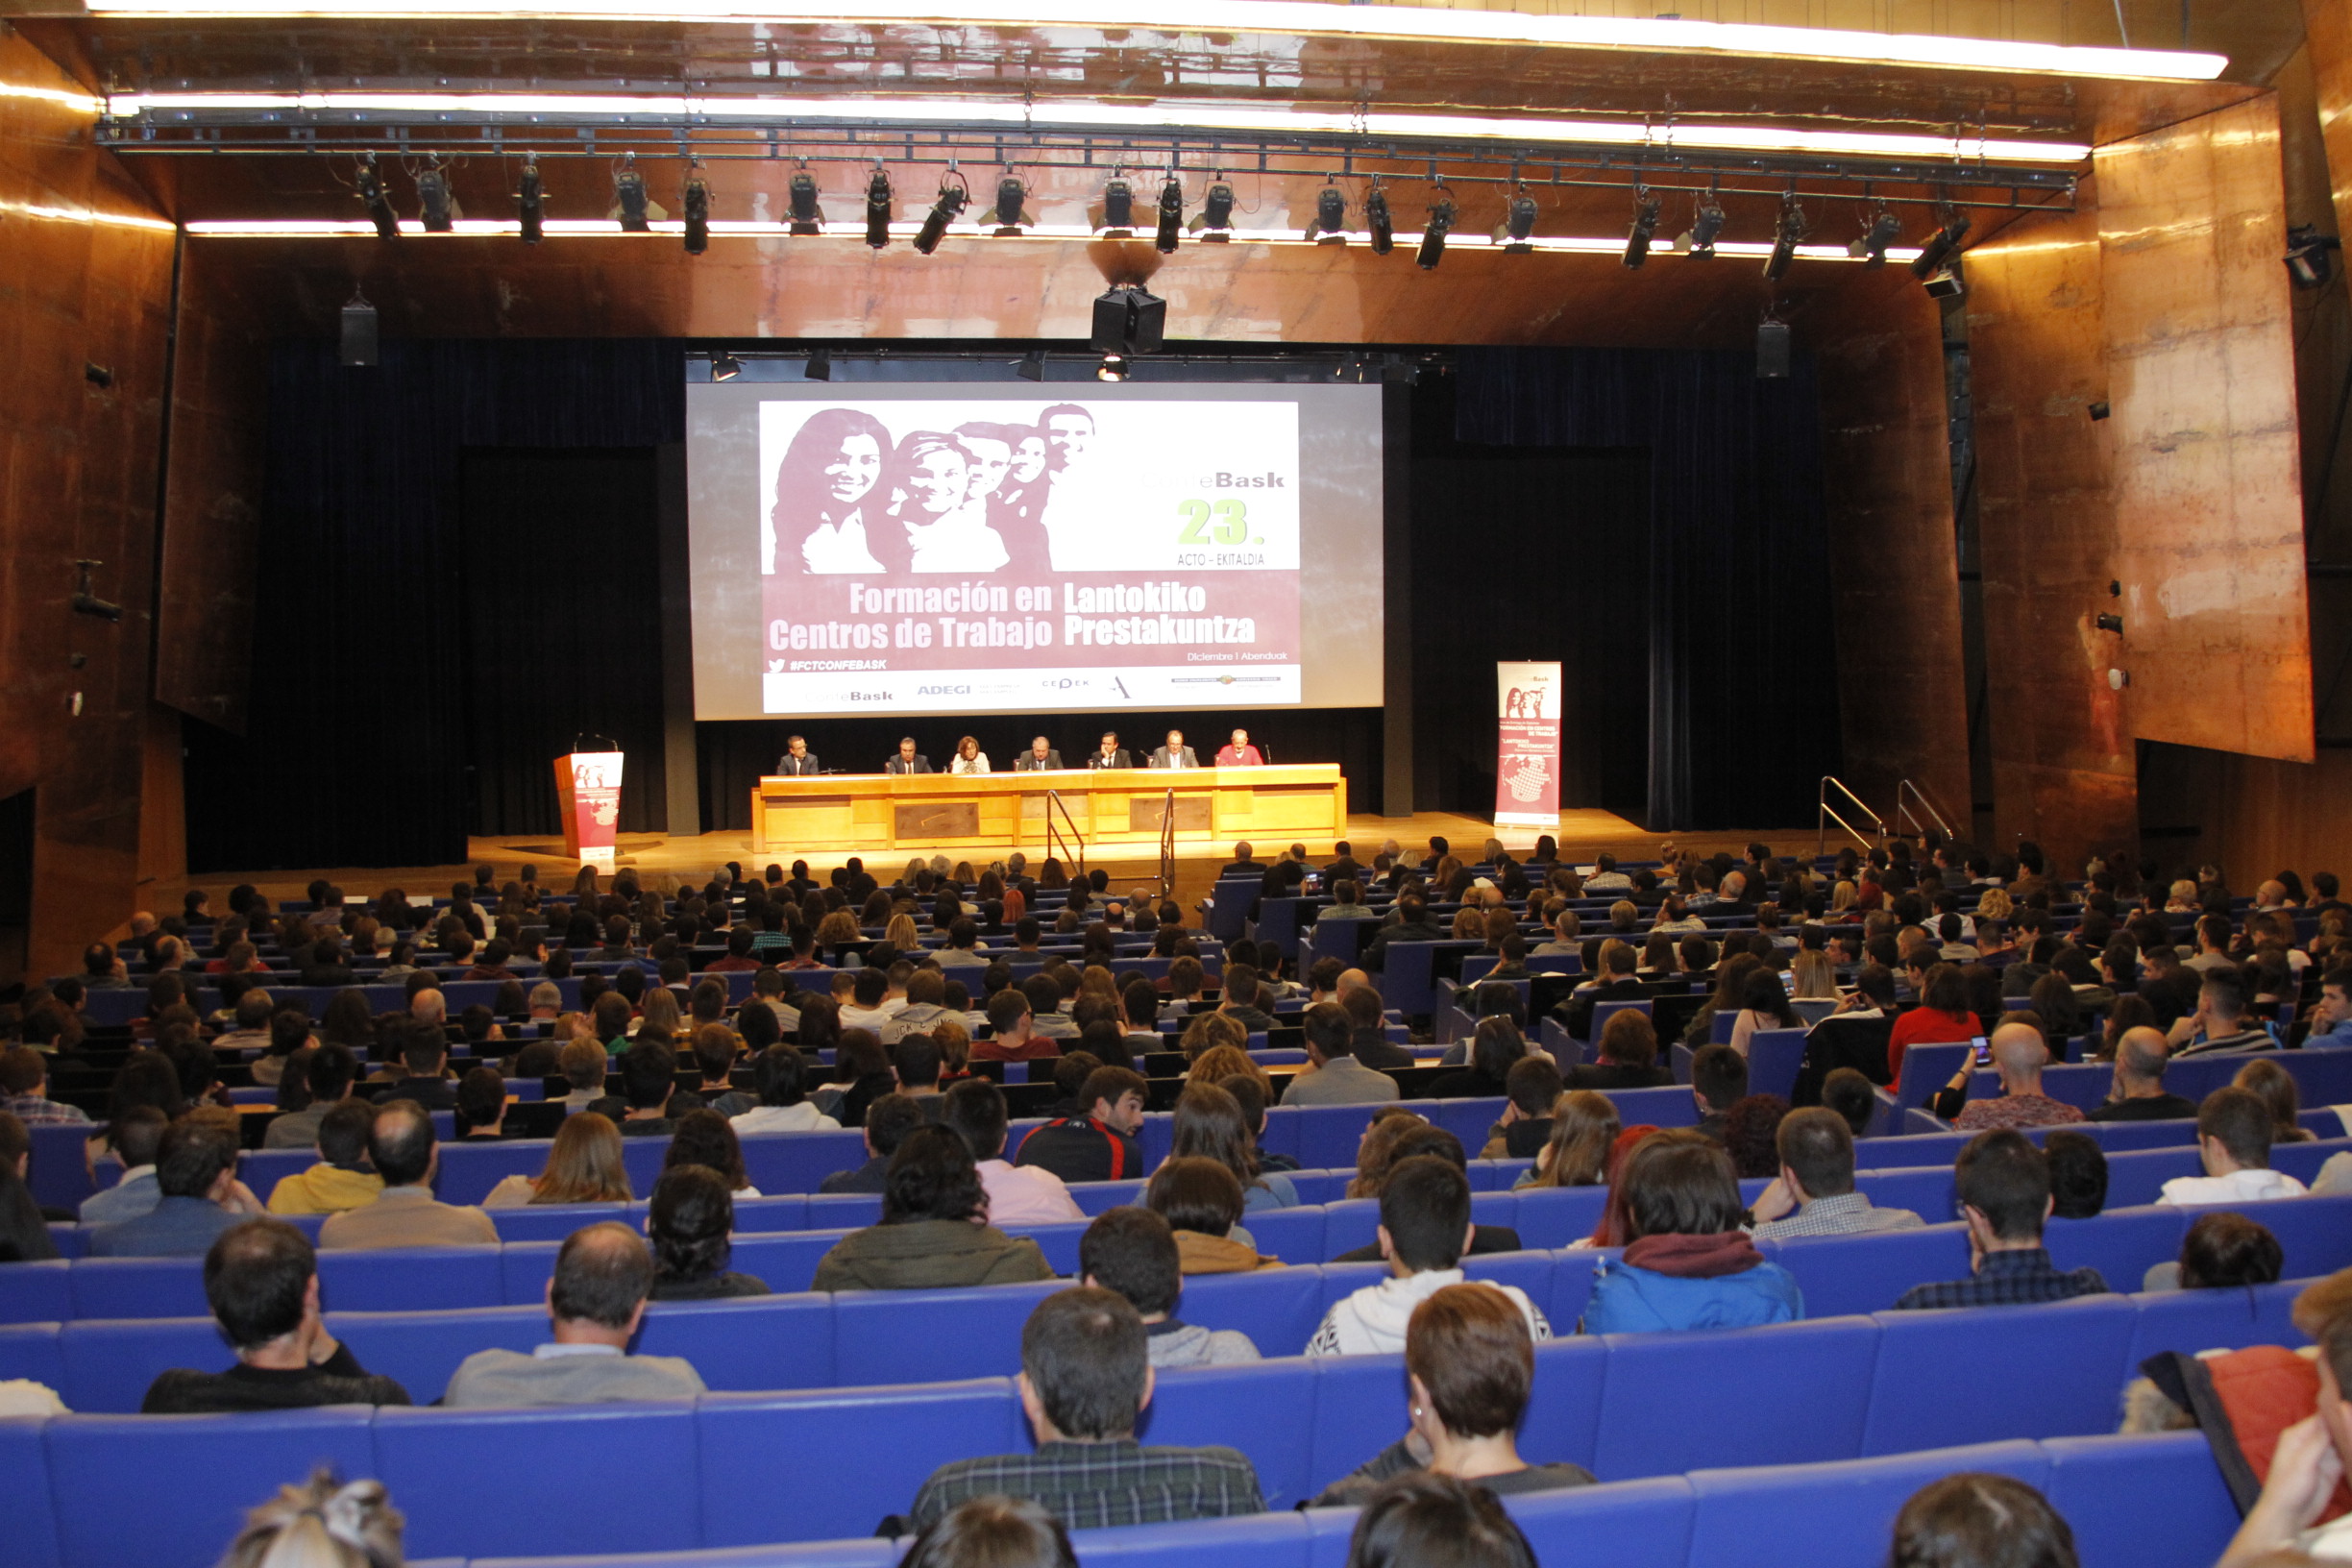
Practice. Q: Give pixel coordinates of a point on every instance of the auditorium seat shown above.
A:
(2141, 1501)
(1727, 1398)
(2061, 1368)
(1844, 1513)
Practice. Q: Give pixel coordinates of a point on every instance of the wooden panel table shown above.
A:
(867, 813)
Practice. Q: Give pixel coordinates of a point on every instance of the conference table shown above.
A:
(865, 812)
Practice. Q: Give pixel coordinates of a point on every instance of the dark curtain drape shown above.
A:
(1742, 682)
(356, 747)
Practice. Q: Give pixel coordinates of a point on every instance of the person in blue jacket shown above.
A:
(1687, 1264)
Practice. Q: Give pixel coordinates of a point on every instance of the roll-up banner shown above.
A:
(1527, 744)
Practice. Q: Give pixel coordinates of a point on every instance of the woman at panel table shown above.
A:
(969, 758)
(826, 486)
(935, 474)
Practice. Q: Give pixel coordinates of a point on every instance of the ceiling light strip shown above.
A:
(1097, 116)
(1414, 23)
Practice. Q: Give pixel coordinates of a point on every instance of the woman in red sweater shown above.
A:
(1943, 1015)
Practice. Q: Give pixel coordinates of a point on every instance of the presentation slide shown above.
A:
(954, 548)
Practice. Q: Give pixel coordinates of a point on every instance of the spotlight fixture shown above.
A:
(944, 211)
(724, 367)
(1518, 225)
(820, 366)
(807, 218)
(1377, 219)
(1786, 233)
(359, 336)
(698, 213)
(878, 209)
(530, 208)
(1707, 223)
(1007, 217)
(1434, 232)
(1645, 226)
(1118, 209)
(1214, 222)
(1329, 226)
(2306, 256)
(1128, 319)
(1870, 247)
(2109, 623)
(1114, 367)
(629, 204)
(1947, 283)
(1032, 366)
(370, 186)
(1171, 215)
(1772, 350)
(1951, 227)
(439, 207)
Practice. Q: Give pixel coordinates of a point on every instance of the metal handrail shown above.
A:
(1167, 847)
(1055, 845)
(1903, 812)
(1829, 813)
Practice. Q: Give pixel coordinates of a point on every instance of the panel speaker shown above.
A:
(359, 334)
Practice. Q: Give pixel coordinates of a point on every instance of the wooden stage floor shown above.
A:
(1583, 834)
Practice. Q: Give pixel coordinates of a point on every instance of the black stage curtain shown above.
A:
(357, 749)
(1742, 665)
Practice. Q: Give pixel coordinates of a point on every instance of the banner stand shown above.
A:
(588, 792)
(1527, 744)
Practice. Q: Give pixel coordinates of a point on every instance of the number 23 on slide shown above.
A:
(1217, 523)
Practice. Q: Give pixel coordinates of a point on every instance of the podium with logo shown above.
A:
(588, 790)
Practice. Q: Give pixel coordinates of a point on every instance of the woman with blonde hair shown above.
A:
(1209, 1030)
(584, 1166)
(1585, 1128)
(658, 1016)
(1469, 923)
(1842, 899)
(1994, 905)
(955, 1048)
(1813, 976)
(1221, 1062)
(1375, 1150)
(323, 1523)
(902, 933)
(838, 929)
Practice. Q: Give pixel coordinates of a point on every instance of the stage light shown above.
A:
(1433, 233)
(1870, 247)
(1032, 366)
(878, 209)
(1786, 234)
(724, 367)
(370, 186)
(944, 211)
(1645, 226)
(820, 366)
(1772, 350)
(530, 211)
(439, 208)
(697, 215)
(1952, 228)
(1518, 225)
(1171, 215)
(1329, 226)
(1118, 209)
(1378, 220)
(359, 331)
(629, 204)
(1007, 217)
(2306, 256)
(1214, 222)
(807, 218)
(1699, 240)
(1113, 368)
(1947, 283)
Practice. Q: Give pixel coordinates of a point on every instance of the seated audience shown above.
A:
(704, 1138)
(2139, 1093)
(1628, 1056)
(2078, 1174)
(137, 1134)
(1210, 1123)
(1424, 1231)
(2020, 1053)
(888, 1121)
(1135, 1253)
(1333, 1074)
(2305, 1468)
(1086, 1380)
(423, 1057)
(584, 1065)
(1202, 1203)
(933, 1231)
(1814, 1193)
(1749, 1129)
(342, 1179)
(692, 1224)
(480, 1117)
(1469, 1366)
(994, 1532)
(1016, 1194)
(2003, 1183)
(1687, 1262)
(1416, 1136)
(603, 1277)
(1497, 1045)
(1977, 1519)
(1584, 1125)
(197, 1197)
(1718, 1081)
(2277, 1087)
(323, 1523)
(1098, 1143)
(1849, 1091)
(649, 1077)
(2234, 1142)
(780, 1074)
(1418, 1520)
(1532, 1088)
(261, 1276)
(1943, 1016)
(2221, 1021)
(402, 1148)
(583, 1166)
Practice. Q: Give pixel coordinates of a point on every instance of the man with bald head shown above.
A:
(2139, 1093)
(406, 1213)
(595, 1301)
(2019, 1055)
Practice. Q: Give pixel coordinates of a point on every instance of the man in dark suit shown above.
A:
(1343, 867)
(1242, 865)
(1110, 755)
(1175, 754)
(797, 760)
(1414, 924)
(907, 761)
(1040, 757)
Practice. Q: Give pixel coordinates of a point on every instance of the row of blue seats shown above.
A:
(737, 1469)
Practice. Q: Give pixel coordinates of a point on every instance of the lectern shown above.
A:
(588, 788)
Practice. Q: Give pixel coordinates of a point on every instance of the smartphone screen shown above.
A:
(1984, 1051)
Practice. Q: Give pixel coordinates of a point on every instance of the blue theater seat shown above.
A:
(1728, 1397)
(1843, 1513)
(1264, 1540)
(410, 1279)
(895, 1337)
(421, 1350)
(137, 1286)
(1637, 1524)
(2195, 1320)
(2119, 1243)
(1846, 1274)
(39, 1292)
(1279, 1309)
(109, 1364)
(2151, 1500)
(1563, 1419)
(1359, 1404)
(1196, 1406)
(748, 1343)
(2060, 1367)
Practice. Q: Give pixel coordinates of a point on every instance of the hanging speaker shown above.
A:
(1773, 351)
(359, 334)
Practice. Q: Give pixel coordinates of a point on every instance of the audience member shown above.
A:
(2276, 1086)
(934, 1232)
(1584, 1126)
(2020, 1053)
(137, 1134)
(1628, 1056)
(1718, 1081)
(2234, 1142)
(1098, 1142)
(342, 1179)
(1201, 1200)
(1135, 1253)
(1687, 1262)
(1533, 1088)
(603, 1277)
(1977, 1519)
(994, 1532)
(691, 1223)
(1814, 1193)
(1424, 1231)
(2003, 1183)
(1749, 1129)
(1418, 1520)
(323, 1523)
(1210, 1122)
(402, 1148)
(2078, 1174)
(583, 1166)
(197, 1197)
(2139, 1093)
(1333, 1074)
(2310, 1459)
(704, 1138)
(780, 1074)
(1850, 1093)
(888, 1121)
(1016, 1194)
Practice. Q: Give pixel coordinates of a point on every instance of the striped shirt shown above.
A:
(1090, 1485)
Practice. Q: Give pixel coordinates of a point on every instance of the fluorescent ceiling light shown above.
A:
(1417, 23)
(1610, 245)
(1086, 114)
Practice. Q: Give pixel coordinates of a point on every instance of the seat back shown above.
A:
(2061, 1364)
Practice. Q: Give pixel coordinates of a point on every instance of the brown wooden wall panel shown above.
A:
(2207, 490)
(77, 480)
(2062, 752)
(1894, 571)
(2253, 816)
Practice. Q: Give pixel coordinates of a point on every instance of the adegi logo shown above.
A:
(942, 691)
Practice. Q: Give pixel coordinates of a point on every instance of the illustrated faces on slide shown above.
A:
(853, 470)
(937, 478)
